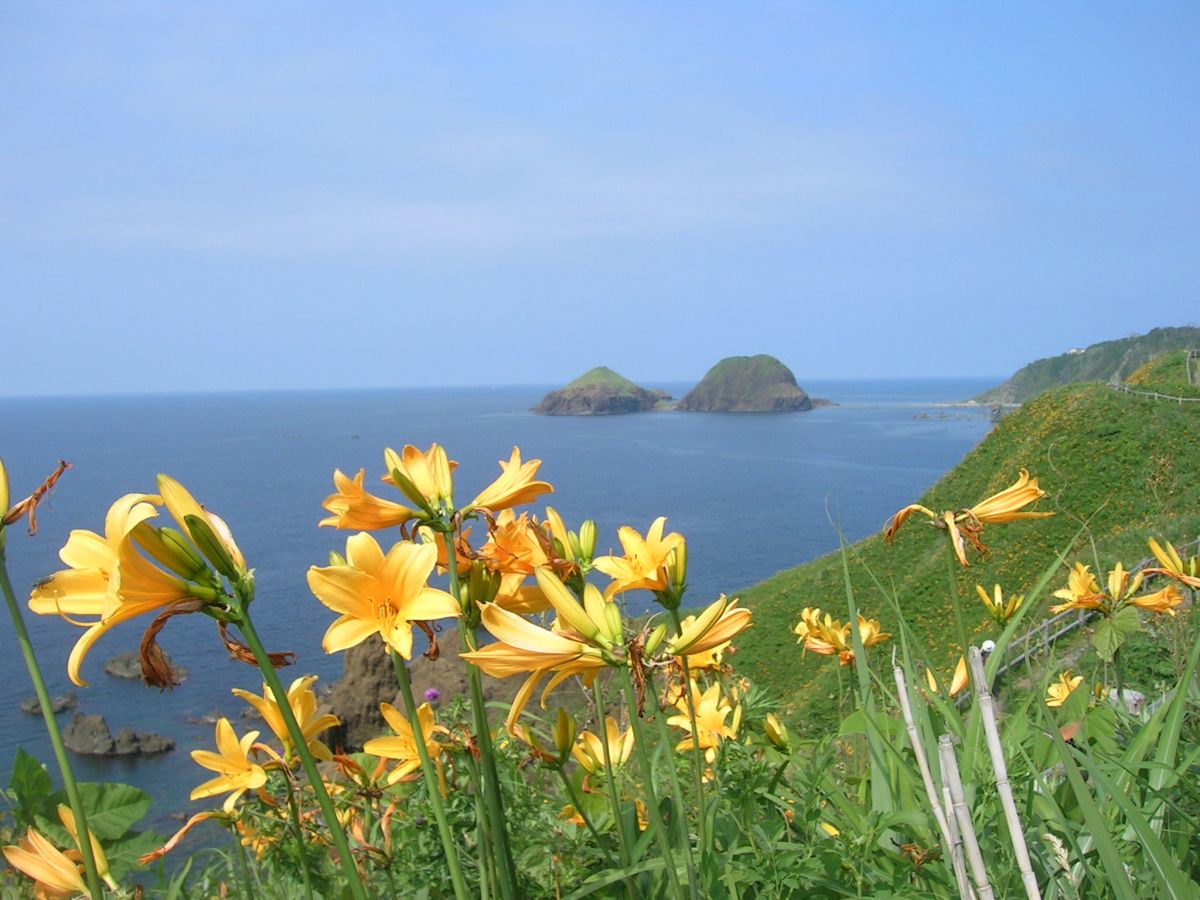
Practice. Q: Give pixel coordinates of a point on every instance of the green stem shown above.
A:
(91, 873)
(610, 779)
(960, 628)
(575, 802)
(697, 758)
(246, 626)
(243, 865)
(492, 796)
(487, 857)
(294, 807)
(645, 760)
(664, 740)
(431, 780)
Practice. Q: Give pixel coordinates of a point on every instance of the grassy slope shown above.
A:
(602, 376)
(1133, 463)
(1098, 362)
(736, 378)
(1168, 374)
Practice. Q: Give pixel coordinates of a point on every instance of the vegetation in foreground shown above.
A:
(679, 779)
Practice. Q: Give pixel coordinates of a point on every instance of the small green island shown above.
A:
(747, 384)
(601, 392)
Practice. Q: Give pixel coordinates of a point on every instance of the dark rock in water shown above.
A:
(747, 384)
(127, 665)
(88, 734)
(600, 392)
(368, 680)
(58, 704)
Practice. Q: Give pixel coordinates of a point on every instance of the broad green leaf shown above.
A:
(1112, 632)
(111, 808)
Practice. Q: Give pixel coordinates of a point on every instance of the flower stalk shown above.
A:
(246, 626)
(431, 779)
(91, 873)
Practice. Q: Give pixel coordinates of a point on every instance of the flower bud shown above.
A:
(170, 548)
(213, 548)
(587, 540)
(612, 615)
(3, 491)
(776, 732)
(677, 568)
(655, 638)
(565, 728)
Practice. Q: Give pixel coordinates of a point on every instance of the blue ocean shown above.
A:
(752, 493)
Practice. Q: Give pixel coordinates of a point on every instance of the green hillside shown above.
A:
(602, 376)
(1129, 463)
(1169, 373)
(1099, 362)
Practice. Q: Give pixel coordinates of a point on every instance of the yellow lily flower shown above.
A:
(515, 549)
(1082, 592)
(354, 507)
(644, 565)
(997, 607)
(67, 816)
(589, 749)
(3, 492)
(824, 635)
(957, 683)
(108, 579)
(711, 728)
(236, 772)
(403, 747)
(1173, 566)
(714, 628)
(56, 876)
(966, 525)
(378, 594)
(522, 647)
(303, 702)
(1057, 693)
(425, 477)
(514, 487)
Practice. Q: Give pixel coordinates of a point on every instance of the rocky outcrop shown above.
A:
(747, 384)
(89, 735)
(58, 704)
(600, 392)
(128, 665)
(368, 680)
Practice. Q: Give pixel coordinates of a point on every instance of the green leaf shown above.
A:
(111, 808)
(1112, 632)
(29, 780)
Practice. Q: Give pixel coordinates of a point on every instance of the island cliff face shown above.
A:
(747, 384)
(600, 392)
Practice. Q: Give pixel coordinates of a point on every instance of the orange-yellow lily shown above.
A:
(575, 647)
(712, 710)
(236, 773)
(352, 506)
(303, 702)
(589, 748)
(1082, 592)
(998, 608)
(714, 628)
(378, 594)
(644, 565)
(403, 746)
(824, 635)
(109, 580)
(959, 681)
(965, 525)
(56, 876)
(514, 487)
(1170, 564)
(1058, 692)
(424, 476)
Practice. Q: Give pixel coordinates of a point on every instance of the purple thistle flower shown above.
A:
(432, 695)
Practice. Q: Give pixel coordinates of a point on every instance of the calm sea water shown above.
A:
(752, 494)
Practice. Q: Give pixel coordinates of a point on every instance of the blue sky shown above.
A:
(256, 196)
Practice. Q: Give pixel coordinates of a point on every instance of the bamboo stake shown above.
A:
(959, 804)
(956, 849)
(987, 708)
(914, 739)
